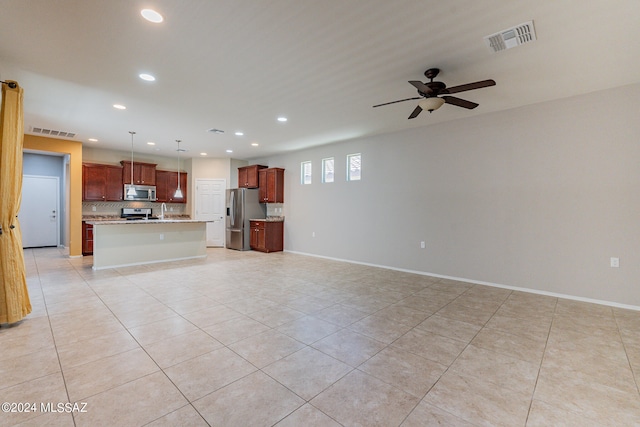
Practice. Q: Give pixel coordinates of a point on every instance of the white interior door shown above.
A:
(40, 211)
(210, 206)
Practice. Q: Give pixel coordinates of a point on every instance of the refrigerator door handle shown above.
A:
(233, 209)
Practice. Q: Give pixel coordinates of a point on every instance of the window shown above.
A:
(353, 167)
(327, 170)
(305, 172)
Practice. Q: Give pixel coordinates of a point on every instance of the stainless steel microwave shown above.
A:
(142, 192)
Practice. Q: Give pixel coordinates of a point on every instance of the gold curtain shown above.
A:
(14, 297)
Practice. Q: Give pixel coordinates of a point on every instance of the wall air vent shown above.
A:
(511, 37)
(51, 132)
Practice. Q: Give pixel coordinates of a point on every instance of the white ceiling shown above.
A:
(236, 65)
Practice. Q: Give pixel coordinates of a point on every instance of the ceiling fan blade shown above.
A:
(459, 102)
(393, 102)
(469, 86)
(423, 88)
(415, 112)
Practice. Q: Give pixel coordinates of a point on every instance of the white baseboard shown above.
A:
(479, 282)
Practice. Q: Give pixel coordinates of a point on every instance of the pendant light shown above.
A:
(178, 194)
(132, 190)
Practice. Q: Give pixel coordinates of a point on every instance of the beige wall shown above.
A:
(538, 197)
(74, 149)
(114, 157)
(206, 168)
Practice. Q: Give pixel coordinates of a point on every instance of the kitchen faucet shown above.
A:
(163, 209)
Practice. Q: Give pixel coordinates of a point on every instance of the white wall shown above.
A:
(538, 197)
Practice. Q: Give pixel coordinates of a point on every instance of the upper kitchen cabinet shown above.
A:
(101, 183)
(167, 184)
(248, 176)
(143, 173)
(271, 185)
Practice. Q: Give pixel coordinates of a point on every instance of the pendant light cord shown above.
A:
(132, 133)
(178, 141)
(132, 191)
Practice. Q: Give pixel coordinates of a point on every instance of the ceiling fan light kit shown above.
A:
(431, 104)
(429, 94)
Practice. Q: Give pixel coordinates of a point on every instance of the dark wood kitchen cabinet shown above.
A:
(271, 185)
(167, 184)
(87, 239)
(143, 173)
(266, 236)
(101, 183)
(248, 176)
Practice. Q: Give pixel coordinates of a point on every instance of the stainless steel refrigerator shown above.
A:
(242, 205)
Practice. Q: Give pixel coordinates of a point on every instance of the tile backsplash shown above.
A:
(275, 209)
(114, 208)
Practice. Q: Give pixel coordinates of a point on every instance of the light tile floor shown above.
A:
(252, 339)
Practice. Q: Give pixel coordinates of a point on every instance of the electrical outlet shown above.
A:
(615, 262)
(161, 236)
(313, 234)
(423, 245)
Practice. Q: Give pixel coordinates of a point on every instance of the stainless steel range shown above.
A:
(132, 214)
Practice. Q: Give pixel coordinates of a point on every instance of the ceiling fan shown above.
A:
(430, 91)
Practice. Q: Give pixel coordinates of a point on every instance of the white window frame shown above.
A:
(303, 180)
(350, 176)
(325, 178)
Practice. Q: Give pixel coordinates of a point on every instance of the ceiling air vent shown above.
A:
(51, 132)
(214, 130)
(511, 37)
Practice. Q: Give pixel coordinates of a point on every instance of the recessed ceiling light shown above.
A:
(229, 151)
(282, 119)
(147, 77)
(151, 16)
(93, 140)
(203, 154)
(151, 143)
(119, 107)
(254, 144)
(239, 133)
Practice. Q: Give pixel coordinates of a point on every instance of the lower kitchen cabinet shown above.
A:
(87, 239)
(267, 236)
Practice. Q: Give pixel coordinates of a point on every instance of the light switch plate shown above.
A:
(615, 262)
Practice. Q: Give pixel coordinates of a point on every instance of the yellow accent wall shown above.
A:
(74, 149)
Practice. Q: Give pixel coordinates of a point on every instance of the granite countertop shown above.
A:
(115, 219)
(141, 221)
(119, 218)
(269, 219)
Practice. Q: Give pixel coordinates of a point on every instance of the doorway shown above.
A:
(39, 213)
(210, 206)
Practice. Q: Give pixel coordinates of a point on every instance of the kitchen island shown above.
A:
(124, 243)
